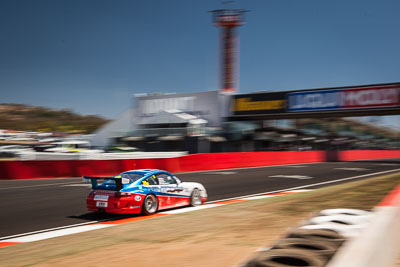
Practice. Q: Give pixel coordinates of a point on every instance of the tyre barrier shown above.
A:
(347, 222)
(340, 219)
(286, 258)
(314, 241)
(353, 212)
(322, 248)
(379, 245)
(323, 235)
(347, 231)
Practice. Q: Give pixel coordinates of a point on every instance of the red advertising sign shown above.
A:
(369, 97)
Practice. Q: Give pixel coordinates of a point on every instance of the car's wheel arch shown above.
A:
(144, 210)
(191, 196)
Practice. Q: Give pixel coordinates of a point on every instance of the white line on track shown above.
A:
(59, 228)
(188, 209)
(271, 166)
(221, 173)
(38, 185)
(47, 230)
(57, 233)
(299, 177)
(246, 197)
(78, 185)
(310, 185)
(174, 211)
(219, 170)
(387, 164)
(297, 166)
(352, 169)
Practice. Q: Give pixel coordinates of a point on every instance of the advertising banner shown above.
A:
(339, 99)
(370, 97)
(259, 103)
(314, 100)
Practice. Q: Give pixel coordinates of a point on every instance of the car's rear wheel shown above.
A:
(195, 198)
(150, 205)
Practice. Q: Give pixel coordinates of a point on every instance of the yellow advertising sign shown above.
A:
(245, 104)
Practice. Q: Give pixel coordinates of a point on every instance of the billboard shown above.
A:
(344, 98)
(210, 105)
(380, 97)
(259, 103)
(370, 97)
(314, 100)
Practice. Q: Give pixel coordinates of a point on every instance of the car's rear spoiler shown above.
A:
(118, 181)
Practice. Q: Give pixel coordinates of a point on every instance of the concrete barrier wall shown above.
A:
(368, 154)
(194, 162)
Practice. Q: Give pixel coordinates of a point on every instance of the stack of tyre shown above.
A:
(315, 241)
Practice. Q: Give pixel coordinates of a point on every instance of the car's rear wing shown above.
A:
(119, 182)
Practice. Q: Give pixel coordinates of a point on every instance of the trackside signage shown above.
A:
(264, 103)
(317, 100)
(374, 97)
(352, 98)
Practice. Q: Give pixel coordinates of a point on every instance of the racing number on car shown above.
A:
(101, 201)
(101, 204)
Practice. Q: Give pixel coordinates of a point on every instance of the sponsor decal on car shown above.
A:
(101, 197)
(103, 192)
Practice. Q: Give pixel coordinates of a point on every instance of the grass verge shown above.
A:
(222, 236)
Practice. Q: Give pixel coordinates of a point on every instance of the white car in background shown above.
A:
(73, 146)
(16, 149)
(12, 151)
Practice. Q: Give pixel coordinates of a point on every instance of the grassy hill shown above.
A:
(29, 118)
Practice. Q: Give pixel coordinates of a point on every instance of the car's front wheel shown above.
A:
(195, 198)
(150, 205)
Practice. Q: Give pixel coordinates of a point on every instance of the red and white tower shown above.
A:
(228, 20)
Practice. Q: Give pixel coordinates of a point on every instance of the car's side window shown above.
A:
(165, 179)
(176, 179)
(151, 180)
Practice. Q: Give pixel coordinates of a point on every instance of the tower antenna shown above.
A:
(228, 20)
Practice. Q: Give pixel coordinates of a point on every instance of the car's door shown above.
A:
(171, 189)
(150, 186)
(182, 191)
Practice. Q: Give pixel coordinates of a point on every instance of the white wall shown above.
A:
(103, 137)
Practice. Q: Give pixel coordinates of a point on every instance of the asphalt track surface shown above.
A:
(40, 204)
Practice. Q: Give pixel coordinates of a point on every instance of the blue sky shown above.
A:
(91, 56)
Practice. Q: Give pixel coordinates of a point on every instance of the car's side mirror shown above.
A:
(125, 181)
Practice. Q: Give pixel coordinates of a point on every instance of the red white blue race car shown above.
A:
(142, 191)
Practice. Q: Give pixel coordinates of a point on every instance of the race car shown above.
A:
(142, 191)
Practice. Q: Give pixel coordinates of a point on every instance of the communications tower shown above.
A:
(228, 20)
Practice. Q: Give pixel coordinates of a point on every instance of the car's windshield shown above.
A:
(132, 176)
(110, 184)
(105, 184)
